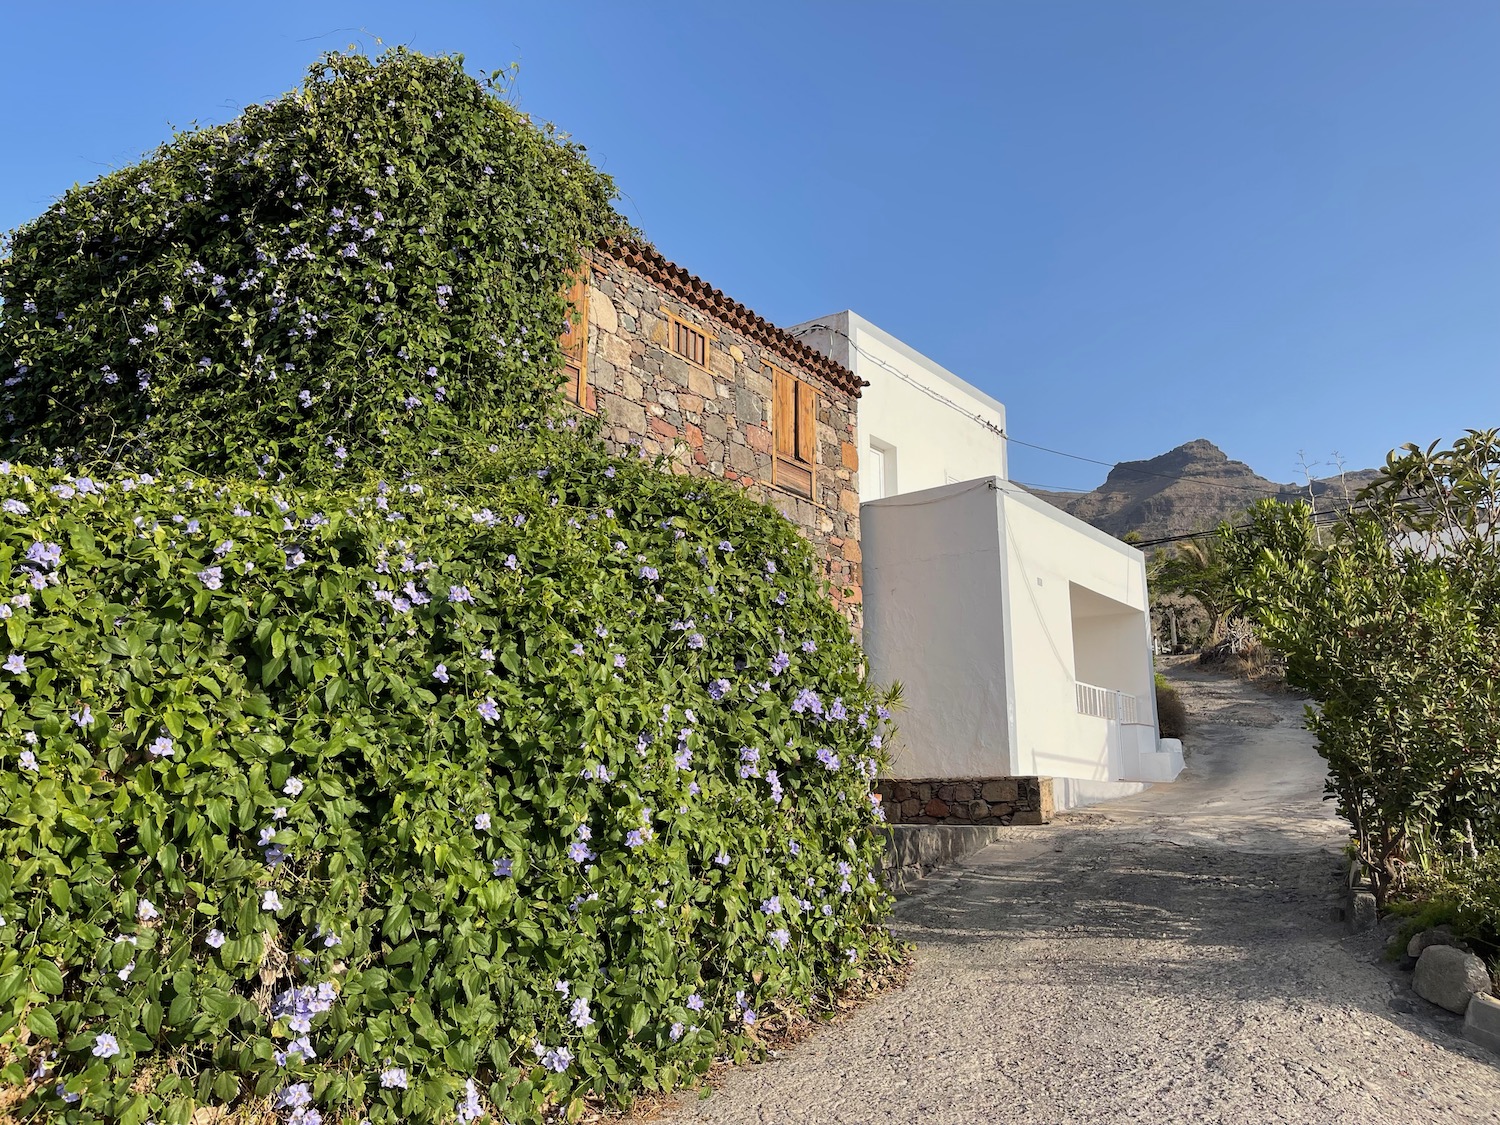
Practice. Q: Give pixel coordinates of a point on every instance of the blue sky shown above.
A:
(1274, 224)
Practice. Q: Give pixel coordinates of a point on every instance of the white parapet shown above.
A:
(1162, 764)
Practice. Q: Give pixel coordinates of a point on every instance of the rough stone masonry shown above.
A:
(715, 418)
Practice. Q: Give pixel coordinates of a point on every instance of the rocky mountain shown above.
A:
(1190, 488)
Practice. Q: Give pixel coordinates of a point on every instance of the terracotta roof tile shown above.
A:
(703, 296)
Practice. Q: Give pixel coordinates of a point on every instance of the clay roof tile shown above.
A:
(700, 294)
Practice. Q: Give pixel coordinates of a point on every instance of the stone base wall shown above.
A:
(973, 800)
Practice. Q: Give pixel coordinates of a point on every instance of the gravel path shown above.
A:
(1167, 959)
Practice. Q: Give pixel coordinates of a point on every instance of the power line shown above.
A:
(1004, 436)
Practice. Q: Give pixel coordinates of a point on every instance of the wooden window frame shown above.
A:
(575, 345)
(673, 322)
(794, 434)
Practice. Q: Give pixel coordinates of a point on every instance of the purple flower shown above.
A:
(619, 660)
(215, 938)
(270, 902)
(161, 748)
(292, 787)
(780, 663)
(468, 1109)
(696, 641)
(440, 673)
(145, 911)
(718, 688)
(579, 852)
(106, 1046)
(579, 1013)
(676, 1032)
(684, 759)
(722, 859)
(28, 761)
(489, 710)
(809, 646)
(393, 1078)
(44, 554)
(807, 700)
(649, 573)
(15, 663)
(882, 713)
(748, 1016)
(771, 905)
(459, 594)
(779, 938)
(829, 759)
(84, 717)
(837, 712)
(695, 1002)
(511, 563)
(726, 546)
(634, 839)
(503, 867)
(775, 783)
(482, 822)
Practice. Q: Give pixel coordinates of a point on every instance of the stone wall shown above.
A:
(977, 800)
(716, 421)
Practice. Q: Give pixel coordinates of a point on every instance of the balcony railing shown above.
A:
(1102, 703)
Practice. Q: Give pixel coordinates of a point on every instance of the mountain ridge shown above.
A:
(1191, 487)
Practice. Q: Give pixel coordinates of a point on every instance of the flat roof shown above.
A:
(901, 347)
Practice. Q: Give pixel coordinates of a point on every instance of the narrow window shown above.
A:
(794, 412)
(575, 345)
(687, 341)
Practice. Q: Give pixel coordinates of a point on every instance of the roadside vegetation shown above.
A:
(373, 745)
(1390, 621)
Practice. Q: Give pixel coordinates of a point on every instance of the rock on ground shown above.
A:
(1168, 959)
(1447, 976)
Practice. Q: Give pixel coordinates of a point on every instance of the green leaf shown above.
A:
(42, 1025)
(45, 977)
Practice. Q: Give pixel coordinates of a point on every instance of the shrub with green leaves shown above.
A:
(361, 273)
(1393, 625)
(419, 761)
(398, 803)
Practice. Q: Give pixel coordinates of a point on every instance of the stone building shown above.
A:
(676, 367)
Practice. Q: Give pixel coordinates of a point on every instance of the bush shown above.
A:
(364, 273)
(1463, 889)
(1393, 626)
(1171, 715)
(495, 774)
(556, 783)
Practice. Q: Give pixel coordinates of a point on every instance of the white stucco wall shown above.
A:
(1054, 563)
(932, 427)
(935, 620)
(970, 597)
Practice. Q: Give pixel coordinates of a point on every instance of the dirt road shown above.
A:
(1166, 959)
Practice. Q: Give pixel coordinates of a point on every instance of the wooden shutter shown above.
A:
(784, 414)
(575, 344)
(807, 400)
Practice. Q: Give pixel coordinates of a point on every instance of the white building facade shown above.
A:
(910, 400)
(1021, 635)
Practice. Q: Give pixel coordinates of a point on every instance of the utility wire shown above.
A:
(987, 424)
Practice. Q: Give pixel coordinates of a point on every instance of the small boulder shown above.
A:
(1440, 935)
(1448, 977)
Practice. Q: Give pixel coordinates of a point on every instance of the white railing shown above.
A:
(1102, 703)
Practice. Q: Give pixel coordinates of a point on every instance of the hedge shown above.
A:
(558, 786)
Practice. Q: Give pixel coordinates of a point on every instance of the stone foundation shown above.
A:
(973, 800)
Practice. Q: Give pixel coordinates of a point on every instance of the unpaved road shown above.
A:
(1165, 959)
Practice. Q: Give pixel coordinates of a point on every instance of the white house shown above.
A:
(1020, 634)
